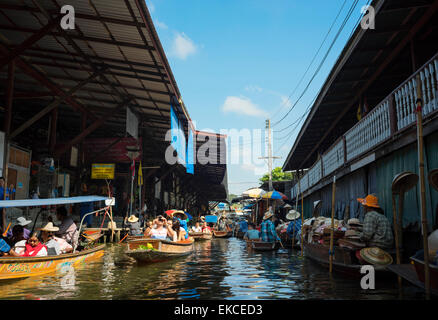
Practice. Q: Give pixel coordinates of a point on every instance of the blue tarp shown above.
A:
(190, 168)
(211, 219)
(248, 206)
(49, 202)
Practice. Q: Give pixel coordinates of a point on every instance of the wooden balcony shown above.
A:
(390, 118)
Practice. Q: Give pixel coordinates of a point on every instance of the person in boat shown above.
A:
(252, 233)
(67, 229)
(21, 221)
(197, 227)
(161, 230)
(243, 226)
(294, 223)
(34, 248)
(222, 225)
(267, 228)
(376, 230)
(206, 228)
(55, 246)
(179, 232)
(18, 241)
(5, 248)
(183, 224)
(134, 225)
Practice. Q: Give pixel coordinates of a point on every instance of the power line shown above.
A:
(323, 60)
(314, 57)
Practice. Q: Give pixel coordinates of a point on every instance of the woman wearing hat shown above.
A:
(294, 223)
(21, 221)
(267, 228)
(134, 226)
(376, 230)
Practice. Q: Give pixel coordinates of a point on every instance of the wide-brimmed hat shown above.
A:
(376, 256)
(352, 234)
(132, 218)
(22, 221)
(49, 227)
(267, 215)
(180, 214)
(292, 215)
(354, 222)
(369, 201)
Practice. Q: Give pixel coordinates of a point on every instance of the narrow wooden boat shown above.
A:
(344, 259)
(222, 234)
(130, 238)
(199, 236)
(257, 245)
(156, 250)
(433, 270)
(408, 272)
(23, 267)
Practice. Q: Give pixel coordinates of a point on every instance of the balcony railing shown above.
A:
(375, 127)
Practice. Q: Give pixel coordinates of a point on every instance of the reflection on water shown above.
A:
(218, 269)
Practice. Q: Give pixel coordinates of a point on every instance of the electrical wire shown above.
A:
(322, 61)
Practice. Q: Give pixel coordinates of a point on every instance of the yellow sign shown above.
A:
(103, 171)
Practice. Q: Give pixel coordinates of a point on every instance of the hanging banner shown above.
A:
(178, 141)
(131, 123)
(190, 167)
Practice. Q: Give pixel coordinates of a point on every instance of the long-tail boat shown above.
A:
(12, 267)
(344, 259)
(257, 245)
(199, 236)
(22, 267)
(222, 234)
(156, 250)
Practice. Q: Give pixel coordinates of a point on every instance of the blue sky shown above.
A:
(236, 62)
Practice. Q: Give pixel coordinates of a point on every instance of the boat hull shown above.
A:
(24, 267)
(200, 236)
(343, 260)
(433, 272)
(163, 250)
(261, 246)
(222, 234)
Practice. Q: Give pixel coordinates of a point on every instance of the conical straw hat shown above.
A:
(376, 256)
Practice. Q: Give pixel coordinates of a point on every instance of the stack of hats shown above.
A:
(337, 234)
(355, 224)
(352, 234)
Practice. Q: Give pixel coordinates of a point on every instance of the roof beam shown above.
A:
(29, 42)
(50, 107)
(99, 122)
(81, 38)
(42, 79)
(412, 32)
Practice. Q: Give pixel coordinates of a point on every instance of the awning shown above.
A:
(49, 202)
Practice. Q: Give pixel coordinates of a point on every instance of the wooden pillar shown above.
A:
(7, 129)
(53, 126)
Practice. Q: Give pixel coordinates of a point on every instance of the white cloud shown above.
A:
(161, 25)
(243, 105)
(252, 88)
(183, 46)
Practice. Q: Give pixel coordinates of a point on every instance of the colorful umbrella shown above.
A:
(254, 193)
(274, 195)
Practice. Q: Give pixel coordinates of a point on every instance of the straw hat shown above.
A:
(202, 218)
(352, 234)
(132, 218)
(267, 215)
(354, 221)
(112, 225)
(369, 201)
(292, 215)
(49, 227)
(22, 221)
(376, 256)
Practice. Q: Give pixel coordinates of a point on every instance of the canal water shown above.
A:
(218, 269)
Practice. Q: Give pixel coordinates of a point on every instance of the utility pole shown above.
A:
(269, 157)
